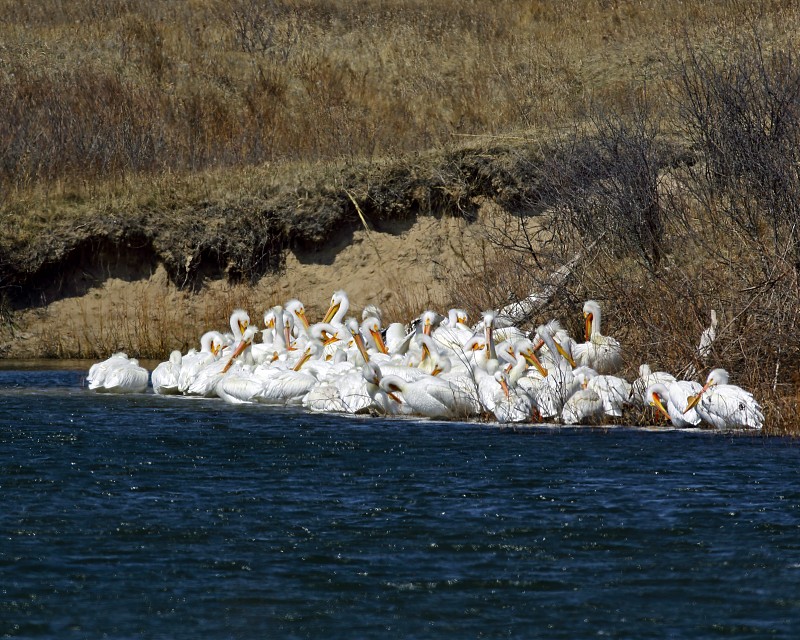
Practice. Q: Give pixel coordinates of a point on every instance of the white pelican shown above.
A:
(211, 344)
(338, 308)
(509, 403)
(239, 385)
(263, 351)
(205, 380)
(239, 321)
(708, 337)
(614, 392)
(453, 332)
(431, 397)
(599, 352)
(398, 339)
(98, 371)
(383, 402)
(424, 326)
(726, 406)
(287, 387)
(564, 344)
(301, 324)
(585, 405)
(639, 395)
(557, 384)
(118, 374)
(165, 376)
(676, 396)
(371, 330)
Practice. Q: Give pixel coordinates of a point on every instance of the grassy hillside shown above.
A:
(108, 91)
(659, 140)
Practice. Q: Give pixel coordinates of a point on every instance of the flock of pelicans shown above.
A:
(437, 368)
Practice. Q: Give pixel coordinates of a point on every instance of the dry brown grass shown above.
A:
(95, 94)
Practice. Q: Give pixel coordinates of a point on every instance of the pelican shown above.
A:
(585, 404)
(211, 344)
(398, 339)
(298, 313)
(562, 341)
(165, 376)
(118, 374)
(383, 402)
(557, 383)
(453, 333)
(204, 382)
(647, 378)
(338, 308)
(263, 351)
(726, 406)
(599, 352)
(676, 396)
(614, 392)
(431, 397)
(285, 388)
(509, 404)
(99, 370)
(239, 321)
(371, 330)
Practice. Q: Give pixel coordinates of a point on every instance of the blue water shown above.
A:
(148, 517)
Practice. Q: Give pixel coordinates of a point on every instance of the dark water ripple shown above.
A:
(135, 517)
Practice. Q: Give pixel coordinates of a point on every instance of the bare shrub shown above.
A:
(743, 114)
(607, 183)
(264, 27)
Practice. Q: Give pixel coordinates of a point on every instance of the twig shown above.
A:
(364, 222)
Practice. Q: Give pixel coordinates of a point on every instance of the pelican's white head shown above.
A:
(371, 372)
(655, 395)
(428, 322)
(298, 311)
(269, 319)
(240, 320)
(371, 329)
(338, 308)
(717, 376)
(212, 342)
(591, 315)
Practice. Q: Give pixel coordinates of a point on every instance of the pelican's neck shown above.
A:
(550, 343)
(278, 340)
(597, 319)
(519, 368)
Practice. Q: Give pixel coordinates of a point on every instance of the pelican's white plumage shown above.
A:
(211, 345)
(726, 406)
(676, 396)
(553, 390)
(646, 379)
(599, 352)
(165, 376)
(615, 392)
(585, 404)
(118, 374)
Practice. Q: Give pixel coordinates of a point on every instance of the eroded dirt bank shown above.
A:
(129, 303)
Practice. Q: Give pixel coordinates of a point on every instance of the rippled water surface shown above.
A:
(148, 517)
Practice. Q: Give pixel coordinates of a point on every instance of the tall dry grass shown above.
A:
(96, 91)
